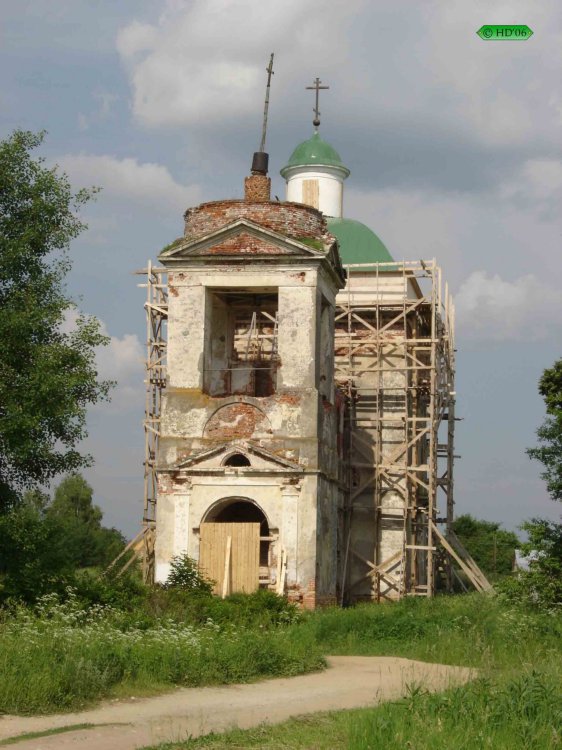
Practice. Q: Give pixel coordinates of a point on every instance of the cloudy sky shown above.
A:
(455, 151)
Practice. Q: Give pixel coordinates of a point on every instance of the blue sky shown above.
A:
(453, 143)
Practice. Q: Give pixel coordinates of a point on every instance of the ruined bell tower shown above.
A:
(247, 460)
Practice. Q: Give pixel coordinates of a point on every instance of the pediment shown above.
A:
(260, 458)
(240, 238)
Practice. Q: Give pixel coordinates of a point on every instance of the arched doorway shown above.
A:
(234, 545)
(242, 510)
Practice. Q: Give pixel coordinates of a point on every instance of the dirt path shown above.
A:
(350, 682)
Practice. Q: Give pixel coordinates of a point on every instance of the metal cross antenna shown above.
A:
(316, 87)
(270, 72)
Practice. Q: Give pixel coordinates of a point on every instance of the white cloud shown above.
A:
(492, 309)
(122, 360)
(205, 60)
(145, 183)
(538, 186)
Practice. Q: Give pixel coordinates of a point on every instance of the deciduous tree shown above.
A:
(48, 376)
(549, 450)
(491, 546)
(44, 543)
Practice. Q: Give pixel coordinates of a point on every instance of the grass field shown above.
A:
(516, 704)
(64, 656)
(518, 713)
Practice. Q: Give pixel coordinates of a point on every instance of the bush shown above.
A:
(185, 574)
(261, 609)
(126, 592)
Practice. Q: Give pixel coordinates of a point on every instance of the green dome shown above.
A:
(358, 244)
(314, 152)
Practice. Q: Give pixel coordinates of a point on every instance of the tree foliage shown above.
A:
(44, 543)
(541, 585)
(35, 556)
(48, 376)
(491, 546)
(80, 523)
(73, 498)
(549, 450)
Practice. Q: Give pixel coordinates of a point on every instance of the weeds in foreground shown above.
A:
(471, 630)
(523, 712)
(516, 704)
(62, 656)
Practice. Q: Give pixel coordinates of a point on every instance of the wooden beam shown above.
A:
(472, 578)
(225, 580)
(124, 551)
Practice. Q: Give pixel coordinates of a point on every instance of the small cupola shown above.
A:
(315, 171)
(315, 174)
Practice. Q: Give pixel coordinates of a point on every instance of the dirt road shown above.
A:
(350, 682)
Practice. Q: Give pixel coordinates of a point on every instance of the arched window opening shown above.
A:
(237, 459)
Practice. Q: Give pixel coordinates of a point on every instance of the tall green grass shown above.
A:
(515, 704)
(470, 630)
(523, 712)
(64, 657)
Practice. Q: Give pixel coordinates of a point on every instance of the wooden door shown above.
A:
(235, 566)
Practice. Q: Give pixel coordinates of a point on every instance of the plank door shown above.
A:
(243, 569)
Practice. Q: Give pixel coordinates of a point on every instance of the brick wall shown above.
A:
(257, 187)
(290, 219)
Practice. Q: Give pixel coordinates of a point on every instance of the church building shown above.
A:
(303, 426)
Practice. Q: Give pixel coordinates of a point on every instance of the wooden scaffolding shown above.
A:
(395, 361)
(156, 311)
(395, 364)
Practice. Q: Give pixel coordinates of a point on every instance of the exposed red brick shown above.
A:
(289, 398)
(245, 244)
(309, 598)
(235, 421)
(257, 187)
(293, 220)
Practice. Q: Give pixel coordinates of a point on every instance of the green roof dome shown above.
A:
(358, 244)
(312, 152)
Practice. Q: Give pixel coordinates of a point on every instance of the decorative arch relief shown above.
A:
(235, 421)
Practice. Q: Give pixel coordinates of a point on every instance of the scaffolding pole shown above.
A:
(156, 311)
